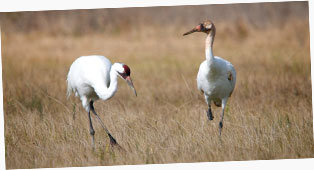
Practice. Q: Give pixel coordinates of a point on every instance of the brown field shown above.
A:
(269, 115)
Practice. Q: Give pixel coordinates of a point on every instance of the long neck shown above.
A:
(209, 46)
(107, 94)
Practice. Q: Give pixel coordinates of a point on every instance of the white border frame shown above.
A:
(39, 5)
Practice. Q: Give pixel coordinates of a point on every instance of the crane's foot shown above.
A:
(220, 127)
(210, 114)
(114, 143)
(112, 140)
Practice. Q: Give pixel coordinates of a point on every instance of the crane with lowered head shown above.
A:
(92, 78)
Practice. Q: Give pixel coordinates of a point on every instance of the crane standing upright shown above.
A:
(92, 78)
(216, 77)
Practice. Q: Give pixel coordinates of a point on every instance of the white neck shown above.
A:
(108, 93)
(209, 46)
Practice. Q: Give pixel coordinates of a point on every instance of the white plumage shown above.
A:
(216, 77)
(92, 78)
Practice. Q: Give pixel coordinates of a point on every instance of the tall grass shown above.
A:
(269, 115)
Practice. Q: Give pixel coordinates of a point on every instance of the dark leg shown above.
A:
(91, 130)
(210, 114)
(220, 127)
(112, 139)
(209, 111)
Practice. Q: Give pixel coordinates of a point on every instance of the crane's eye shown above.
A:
(202, 26)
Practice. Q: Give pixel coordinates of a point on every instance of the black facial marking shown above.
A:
(202, 26)
(127, 70)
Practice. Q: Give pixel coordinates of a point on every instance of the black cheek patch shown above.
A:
(127, 70)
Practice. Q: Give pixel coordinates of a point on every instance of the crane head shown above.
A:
(124, 72)
(206, 27)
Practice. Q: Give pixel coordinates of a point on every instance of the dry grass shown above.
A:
(269, 115)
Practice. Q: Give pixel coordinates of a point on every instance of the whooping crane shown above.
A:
(92, 78)
(216, 77)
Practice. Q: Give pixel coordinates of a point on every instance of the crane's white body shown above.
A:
(91, 78)
(212, 79)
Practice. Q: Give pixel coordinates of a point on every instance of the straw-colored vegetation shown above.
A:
(269, 115)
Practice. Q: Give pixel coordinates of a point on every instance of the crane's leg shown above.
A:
(224, 103)
(91, 129)
(209, 111)
(112, 139)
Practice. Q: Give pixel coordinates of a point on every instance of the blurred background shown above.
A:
(78, 22)
(269, 115)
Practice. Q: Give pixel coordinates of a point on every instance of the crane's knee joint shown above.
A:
(220, 125)
(92, 132)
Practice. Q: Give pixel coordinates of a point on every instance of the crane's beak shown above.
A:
(130, 83)
(196, 29)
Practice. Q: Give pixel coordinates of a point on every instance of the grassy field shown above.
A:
(269, 115)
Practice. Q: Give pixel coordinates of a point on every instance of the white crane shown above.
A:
(216, 77)
(92, 78)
